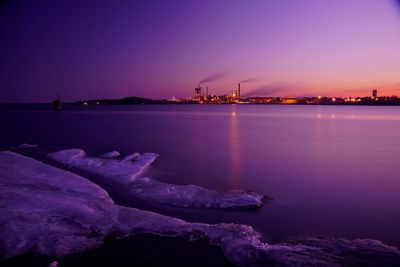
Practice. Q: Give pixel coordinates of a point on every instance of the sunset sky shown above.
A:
(160, 49)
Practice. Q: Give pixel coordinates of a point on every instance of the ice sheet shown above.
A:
(126, 175)
(49, 211)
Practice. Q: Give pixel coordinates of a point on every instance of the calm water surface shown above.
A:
(329, 171)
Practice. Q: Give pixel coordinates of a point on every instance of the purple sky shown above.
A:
(160, 49)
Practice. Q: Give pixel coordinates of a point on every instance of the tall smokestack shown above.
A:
(197, 91)
(238, 89)
(200, 90)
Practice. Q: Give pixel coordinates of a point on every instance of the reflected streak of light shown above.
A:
(235, 150)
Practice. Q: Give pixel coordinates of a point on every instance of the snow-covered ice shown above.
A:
(41, 204)
(118, 171)
(125, 175)
(48, 211)
(193, 196)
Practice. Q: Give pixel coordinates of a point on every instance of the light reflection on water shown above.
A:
(236, 160)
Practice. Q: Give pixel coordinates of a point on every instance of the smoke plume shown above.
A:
(249, 80)
(213, 77)
(268, 90)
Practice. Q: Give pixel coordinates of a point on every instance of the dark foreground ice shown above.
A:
(125, 175)
(48, 211)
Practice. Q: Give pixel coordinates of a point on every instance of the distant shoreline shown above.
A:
(226, 100)
(223, 100)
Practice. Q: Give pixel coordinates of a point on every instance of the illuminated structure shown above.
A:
(290, 100)
(198, 92)
(234, 93)
(375, 93)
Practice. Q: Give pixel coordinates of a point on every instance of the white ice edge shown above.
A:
(48, 211)
(126, 175)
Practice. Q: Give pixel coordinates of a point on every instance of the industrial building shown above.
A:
(375, 93)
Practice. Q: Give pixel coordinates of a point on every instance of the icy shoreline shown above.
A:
(48, 211)
(125, 175)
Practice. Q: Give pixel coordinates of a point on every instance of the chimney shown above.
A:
(201, 90)
(238, 90)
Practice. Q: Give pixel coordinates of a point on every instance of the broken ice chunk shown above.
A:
(124, 175)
